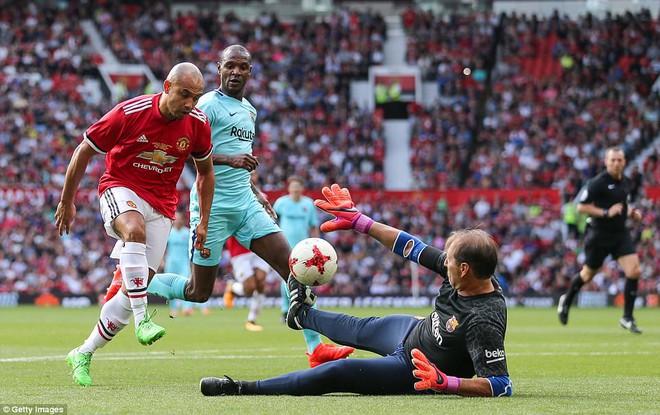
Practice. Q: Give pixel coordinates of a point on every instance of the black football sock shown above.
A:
(629, 296)
(249, 387)
(573, 289)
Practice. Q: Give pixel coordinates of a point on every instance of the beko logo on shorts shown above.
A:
(494, 355)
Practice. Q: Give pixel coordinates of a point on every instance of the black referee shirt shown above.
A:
(604, 191)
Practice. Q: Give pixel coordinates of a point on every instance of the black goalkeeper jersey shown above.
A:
(463, 336)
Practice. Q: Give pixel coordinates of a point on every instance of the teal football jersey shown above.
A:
(233, 129)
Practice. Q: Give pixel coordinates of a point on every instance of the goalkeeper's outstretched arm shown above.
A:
(384, 234)
(339, 203)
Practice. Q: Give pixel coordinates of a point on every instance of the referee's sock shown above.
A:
(574, 288)
(629, 297)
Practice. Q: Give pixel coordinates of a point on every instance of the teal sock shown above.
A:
(286, 297)
(169, 286)
(312, 338)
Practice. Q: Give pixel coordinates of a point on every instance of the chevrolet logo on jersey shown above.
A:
(158, 157)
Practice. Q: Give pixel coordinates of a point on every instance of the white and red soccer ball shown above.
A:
(313, 261)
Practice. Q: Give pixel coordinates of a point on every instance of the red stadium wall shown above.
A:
(453, 197)
(652, 193)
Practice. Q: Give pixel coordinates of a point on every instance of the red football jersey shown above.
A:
(146, 152)
(235, 248)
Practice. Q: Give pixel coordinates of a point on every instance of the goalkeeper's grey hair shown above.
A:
(476, 248)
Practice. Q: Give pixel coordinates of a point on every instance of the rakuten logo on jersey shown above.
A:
(242, 134)
(494, 355)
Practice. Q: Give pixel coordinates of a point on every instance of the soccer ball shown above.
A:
(313, 261)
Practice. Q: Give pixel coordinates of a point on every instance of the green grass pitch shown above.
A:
(590, 366)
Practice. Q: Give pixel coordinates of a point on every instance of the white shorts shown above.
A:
(117, 200)
(245, 264)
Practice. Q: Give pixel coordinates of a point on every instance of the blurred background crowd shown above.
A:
(545, 97)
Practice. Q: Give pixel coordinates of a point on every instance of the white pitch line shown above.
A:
(186, 354)
(217, 354)
(145, 357)
(619, 353)
(578, 345)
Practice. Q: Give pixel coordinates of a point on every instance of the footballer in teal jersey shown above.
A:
(232, 132)
(296, 213)
(236, 209)
(239, 208)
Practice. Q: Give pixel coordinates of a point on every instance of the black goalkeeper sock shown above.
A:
(249, 387)
(629, 296)
(573, 289)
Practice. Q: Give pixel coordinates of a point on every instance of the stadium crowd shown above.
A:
(548, 134)
(562, 91)
(299, 82)
(552, 133)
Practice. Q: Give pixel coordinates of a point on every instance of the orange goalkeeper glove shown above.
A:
(430, 376)
(339, 204)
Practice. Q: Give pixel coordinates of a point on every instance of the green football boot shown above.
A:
(79, 363)
(148, 332)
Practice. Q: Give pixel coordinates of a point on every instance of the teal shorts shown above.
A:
(246, 225)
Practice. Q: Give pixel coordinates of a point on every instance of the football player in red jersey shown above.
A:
(146, 141)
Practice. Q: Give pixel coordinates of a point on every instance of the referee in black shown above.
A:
(605, 200)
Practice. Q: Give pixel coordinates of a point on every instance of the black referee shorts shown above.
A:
(598, 245)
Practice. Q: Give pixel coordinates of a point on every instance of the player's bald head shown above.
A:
(185, 71)
(181, 91)
(234, 51)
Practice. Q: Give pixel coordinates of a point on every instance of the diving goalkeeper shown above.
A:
(458, 349)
